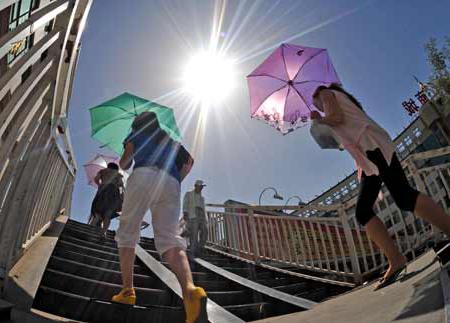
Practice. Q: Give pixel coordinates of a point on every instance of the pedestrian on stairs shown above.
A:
(373, 150)
(108, 199)
(195, 216)
(155, 185)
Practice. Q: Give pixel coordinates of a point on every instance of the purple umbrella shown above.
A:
(281, 88)
(98, 163)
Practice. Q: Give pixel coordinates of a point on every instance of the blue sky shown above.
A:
(142, 48)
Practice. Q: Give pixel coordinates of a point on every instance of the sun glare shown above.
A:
(209, 77)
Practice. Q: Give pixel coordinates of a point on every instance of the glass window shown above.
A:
(417, 132)
(396, 217)
(353, 184)
(388, 223)
(439, 182)
(433, 188)
(382, 205)
(389, 199)
(20, 12)
(408, 140)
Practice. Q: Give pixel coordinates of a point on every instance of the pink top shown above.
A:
(359, 133)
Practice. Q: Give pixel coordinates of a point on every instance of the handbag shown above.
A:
(324, 136)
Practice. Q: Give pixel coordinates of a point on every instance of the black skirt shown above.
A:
(108, 198)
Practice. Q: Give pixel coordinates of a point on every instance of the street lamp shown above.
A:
(275, 196)
(300, 202)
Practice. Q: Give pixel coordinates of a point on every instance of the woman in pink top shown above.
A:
(373, 150)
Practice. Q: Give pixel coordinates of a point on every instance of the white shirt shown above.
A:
(191, 201)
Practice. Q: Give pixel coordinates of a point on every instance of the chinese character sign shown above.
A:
(422, 97)
(410, 105)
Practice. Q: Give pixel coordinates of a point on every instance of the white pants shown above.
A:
(151, 189)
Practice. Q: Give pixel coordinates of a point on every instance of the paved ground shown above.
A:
(416, 299)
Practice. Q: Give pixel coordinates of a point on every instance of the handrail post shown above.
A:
(254, 237)
(351, 245)
(416, 175)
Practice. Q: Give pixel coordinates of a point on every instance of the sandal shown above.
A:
(391, 279)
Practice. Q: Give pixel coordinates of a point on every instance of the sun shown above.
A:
(209, 77)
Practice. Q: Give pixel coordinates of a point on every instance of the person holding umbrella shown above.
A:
(108, 200)
(297, 83)
(374, 153)
(155, 184)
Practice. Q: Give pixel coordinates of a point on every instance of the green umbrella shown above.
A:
(111, 121)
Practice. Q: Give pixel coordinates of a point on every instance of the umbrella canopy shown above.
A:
(98, 163)
(111, 121)
(281, 88)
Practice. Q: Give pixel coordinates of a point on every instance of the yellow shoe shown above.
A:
(195, 306)
(126, 296)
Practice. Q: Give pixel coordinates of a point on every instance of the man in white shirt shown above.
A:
(195, 216)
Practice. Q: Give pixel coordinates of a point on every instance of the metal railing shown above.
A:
(326, 239)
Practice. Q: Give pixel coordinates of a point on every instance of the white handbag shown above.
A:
(324, 136)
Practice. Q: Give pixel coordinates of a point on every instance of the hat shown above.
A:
(199, 183)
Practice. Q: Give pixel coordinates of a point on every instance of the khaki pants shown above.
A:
(155, 190)
(198, 233)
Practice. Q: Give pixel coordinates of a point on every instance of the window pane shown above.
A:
(25, 7)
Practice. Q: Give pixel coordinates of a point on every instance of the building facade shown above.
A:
(39, 49)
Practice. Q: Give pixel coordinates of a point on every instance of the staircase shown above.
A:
(289, 281)
(83, 274)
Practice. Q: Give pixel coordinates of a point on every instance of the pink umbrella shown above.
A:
(98, 163)
(281, 88)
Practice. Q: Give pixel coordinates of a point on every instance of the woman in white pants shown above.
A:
(155, 185)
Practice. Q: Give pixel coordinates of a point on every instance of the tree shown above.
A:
(439, 60)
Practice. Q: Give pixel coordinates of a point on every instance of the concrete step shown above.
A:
(88, 243)
(102, 290)
(217, 285)
(224, 298)
(89, 229)
(90, 310)
(94, 261)
(294, 289)
(274, 282)
(70, 246)
(5, 310)
(251, 312)
(101, 274)
(75, 233)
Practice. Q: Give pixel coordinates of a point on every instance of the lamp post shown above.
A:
(300, 201)
(275, 195)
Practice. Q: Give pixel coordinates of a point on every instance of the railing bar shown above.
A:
(332, 247)
(268, 244)
(361, 244)
(286, 239)
(325, 250)
(341, 246)
(308, 243)
(316, 245)
(300, 240)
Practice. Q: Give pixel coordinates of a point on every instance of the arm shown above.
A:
(333, 113)
(98, 178)
(127, 157)
(186, 205)
(186, 168)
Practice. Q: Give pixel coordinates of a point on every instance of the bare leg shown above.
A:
(178, 262)
(378, 233)
(96, 220)
(127, 256)
(106, 222)
(430, 211)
